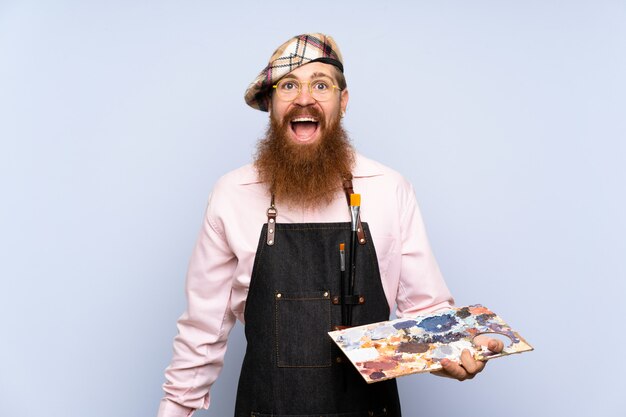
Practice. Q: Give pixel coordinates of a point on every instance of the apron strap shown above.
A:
(348, 189)
(271, 222)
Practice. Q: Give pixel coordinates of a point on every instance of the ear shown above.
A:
(344, 100)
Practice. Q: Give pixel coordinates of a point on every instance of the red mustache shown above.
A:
(304, 111)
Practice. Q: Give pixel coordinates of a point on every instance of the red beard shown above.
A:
(304, 175)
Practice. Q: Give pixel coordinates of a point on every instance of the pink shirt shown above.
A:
(221, 266)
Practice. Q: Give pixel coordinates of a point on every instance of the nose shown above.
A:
(304, 98)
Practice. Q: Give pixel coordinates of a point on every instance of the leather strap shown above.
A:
(348, 189)
(271, 223)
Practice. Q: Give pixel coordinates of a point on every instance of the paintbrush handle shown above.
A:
(353, 244)
(343, 285)
(344, 293)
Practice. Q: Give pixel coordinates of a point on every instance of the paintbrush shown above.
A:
(355, 207)
(342, 260)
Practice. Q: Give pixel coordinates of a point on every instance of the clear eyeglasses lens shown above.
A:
(320, 90)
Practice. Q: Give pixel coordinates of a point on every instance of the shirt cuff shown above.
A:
(169, 408)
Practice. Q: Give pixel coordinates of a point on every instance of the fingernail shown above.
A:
(444, 362)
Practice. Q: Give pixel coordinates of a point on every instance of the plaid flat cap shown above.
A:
(297, 51)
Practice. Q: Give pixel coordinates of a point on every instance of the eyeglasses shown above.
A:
(288, 89)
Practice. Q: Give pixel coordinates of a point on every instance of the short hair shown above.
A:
(341, 79)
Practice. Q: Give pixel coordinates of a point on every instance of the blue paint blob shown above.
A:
(484, 319)
(438, 324)
(448, 337)
(405, 324)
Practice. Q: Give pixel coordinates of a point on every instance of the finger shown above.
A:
(495, 345)
(454, 370)
(471, 365)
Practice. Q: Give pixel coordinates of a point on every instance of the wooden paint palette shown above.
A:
(390, 349)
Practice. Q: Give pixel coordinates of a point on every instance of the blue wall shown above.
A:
(117, 117)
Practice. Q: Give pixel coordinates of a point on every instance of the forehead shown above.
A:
(313, 70)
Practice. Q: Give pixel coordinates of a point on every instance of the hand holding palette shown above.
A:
(390, 349)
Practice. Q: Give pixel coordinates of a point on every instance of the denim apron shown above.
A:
(291, 366)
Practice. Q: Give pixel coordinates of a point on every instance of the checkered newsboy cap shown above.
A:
(297, 51)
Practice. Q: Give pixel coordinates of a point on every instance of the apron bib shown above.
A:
(291, 366)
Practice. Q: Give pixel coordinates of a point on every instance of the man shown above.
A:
(268, 255)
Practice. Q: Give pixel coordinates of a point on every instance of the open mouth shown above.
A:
(304, 127)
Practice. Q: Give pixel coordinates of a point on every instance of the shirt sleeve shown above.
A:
(421, 288)
(204, 327)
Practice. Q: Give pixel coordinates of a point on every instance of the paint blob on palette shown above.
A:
(390, 349)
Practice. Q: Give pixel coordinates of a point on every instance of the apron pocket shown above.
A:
(302, 323)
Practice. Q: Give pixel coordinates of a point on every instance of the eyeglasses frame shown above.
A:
(309, 83)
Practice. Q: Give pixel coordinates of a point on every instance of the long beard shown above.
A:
(304, 175)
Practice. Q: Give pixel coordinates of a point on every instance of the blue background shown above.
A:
(117, 117)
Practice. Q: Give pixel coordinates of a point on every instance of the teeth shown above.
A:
(304, 119)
